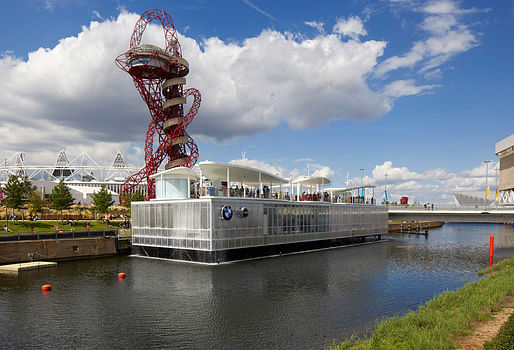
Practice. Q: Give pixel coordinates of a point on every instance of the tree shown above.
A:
(129, 198)
(16, 192)
(61, 198)
(102, 200)
(35, 200)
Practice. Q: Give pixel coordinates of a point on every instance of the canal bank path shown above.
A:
(485, 331)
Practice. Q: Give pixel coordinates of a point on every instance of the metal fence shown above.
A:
(56, 235)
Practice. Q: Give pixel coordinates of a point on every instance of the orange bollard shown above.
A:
(122, 275)
(46, 287)
(491, 245)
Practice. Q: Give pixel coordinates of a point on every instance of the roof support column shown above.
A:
(298, 192)
(321, 192)
(260, 185)
(291, 197)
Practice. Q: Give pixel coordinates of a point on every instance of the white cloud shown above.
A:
(322, 170)
(447, 37)
(317, 25)
(393, 174)
(433, 185)
(73, 94)
(439, 25)
(440, 7)
(352, 27)
(400, 88)
(48, 5)
(97, 15)
(267, 79)
(434, 74)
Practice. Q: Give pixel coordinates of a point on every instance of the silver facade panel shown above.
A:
(199, 224)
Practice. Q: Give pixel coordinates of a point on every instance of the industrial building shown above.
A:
(505, 151)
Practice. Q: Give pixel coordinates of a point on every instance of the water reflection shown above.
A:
(294, 301)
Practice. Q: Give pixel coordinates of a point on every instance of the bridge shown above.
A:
(498, 216)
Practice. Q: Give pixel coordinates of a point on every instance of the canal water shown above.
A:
(300, 301)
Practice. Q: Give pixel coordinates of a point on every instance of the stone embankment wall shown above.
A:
(414, 225)
(56, 249)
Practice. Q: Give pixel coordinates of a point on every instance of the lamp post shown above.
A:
(486, 185)
(386, 201)
(362, 184)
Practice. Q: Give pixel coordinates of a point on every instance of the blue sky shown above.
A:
(418, 90)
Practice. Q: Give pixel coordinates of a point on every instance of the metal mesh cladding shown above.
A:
(198, 224)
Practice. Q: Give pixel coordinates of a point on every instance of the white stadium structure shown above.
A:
(474, 199)
(83, 175)
(505, 151)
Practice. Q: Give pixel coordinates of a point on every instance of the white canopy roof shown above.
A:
(312, 180)
(174, 173)
(337, 190)
(237, 173)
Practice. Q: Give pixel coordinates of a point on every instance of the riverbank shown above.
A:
(441, 322)
(19, 227)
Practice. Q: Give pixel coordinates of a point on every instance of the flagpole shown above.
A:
(6, 221)
(385, 190)
(496, 179)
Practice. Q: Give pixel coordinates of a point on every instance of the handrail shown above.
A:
(41, 235)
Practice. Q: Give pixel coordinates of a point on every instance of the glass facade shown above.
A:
(199, 224)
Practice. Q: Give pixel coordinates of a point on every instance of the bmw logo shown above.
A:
(226, 212)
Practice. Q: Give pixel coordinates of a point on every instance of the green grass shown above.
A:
(436, 324)
(46, 226)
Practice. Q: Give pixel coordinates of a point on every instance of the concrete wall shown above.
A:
(20, 251)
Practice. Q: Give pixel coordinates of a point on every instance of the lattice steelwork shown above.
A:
(159, 77)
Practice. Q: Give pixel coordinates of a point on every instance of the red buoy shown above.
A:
(46, 287)
(122, 275)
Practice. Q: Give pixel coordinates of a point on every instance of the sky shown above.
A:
(413, 92)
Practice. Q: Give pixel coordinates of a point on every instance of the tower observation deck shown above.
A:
(159, 76)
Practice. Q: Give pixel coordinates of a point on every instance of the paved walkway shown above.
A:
(487, 330)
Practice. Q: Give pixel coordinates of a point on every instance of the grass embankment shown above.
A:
(440, 321)
(23, 227)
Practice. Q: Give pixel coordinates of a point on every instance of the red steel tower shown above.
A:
(159, 76)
